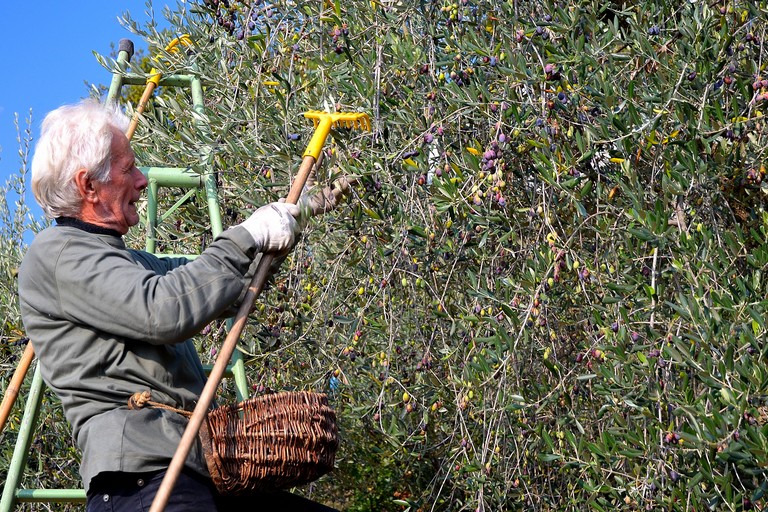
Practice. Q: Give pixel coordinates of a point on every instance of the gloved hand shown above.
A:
(325, 200)
(274, 227)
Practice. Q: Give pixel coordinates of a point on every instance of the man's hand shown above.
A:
(312, 203)
(324, 200)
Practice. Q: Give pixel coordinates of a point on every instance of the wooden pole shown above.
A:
(9, 398)
(140, 109)
(323, 122)
(189, 438)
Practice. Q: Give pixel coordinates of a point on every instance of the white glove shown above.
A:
(274, 227)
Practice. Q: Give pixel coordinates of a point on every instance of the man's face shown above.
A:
(119, 194)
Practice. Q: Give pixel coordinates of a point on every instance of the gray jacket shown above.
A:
(106, 322)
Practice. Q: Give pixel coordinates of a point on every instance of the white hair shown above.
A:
(73, 137)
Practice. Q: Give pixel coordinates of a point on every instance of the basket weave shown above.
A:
(271, 442)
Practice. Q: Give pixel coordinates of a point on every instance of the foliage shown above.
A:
(546, 291)
(15, 222)
(52, 459)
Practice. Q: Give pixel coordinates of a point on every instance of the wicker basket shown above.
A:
(271, 442)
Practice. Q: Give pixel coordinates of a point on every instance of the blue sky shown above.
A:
(46, 56)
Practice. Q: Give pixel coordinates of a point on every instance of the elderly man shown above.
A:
(107, 321)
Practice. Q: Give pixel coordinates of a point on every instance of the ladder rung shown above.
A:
(51, 495)
(227, 373)
(165, 80)
(184, 177)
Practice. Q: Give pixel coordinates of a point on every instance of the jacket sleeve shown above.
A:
(107, 290)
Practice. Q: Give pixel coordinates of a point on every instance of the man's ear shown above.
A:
(85, 186)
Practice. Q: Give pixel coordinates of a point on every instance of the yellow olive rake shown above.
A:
(323, 122)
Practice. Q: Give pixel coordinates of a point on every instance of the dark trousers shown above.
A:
(134, 492)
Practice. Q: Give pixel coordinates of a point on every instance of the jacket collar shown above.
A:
(86, 226)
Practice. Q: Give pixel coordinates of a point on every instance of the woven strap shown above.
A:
(142, 399)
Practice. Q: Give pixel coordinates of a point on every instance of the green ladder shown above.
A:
(181, 177)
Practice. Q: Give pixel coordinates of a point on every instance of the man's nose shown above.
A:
(141, 180)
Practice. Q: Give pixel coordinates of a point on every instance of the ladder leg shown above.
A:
(152, 191)
(125, 52)
(23, 442)
(237, 365)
